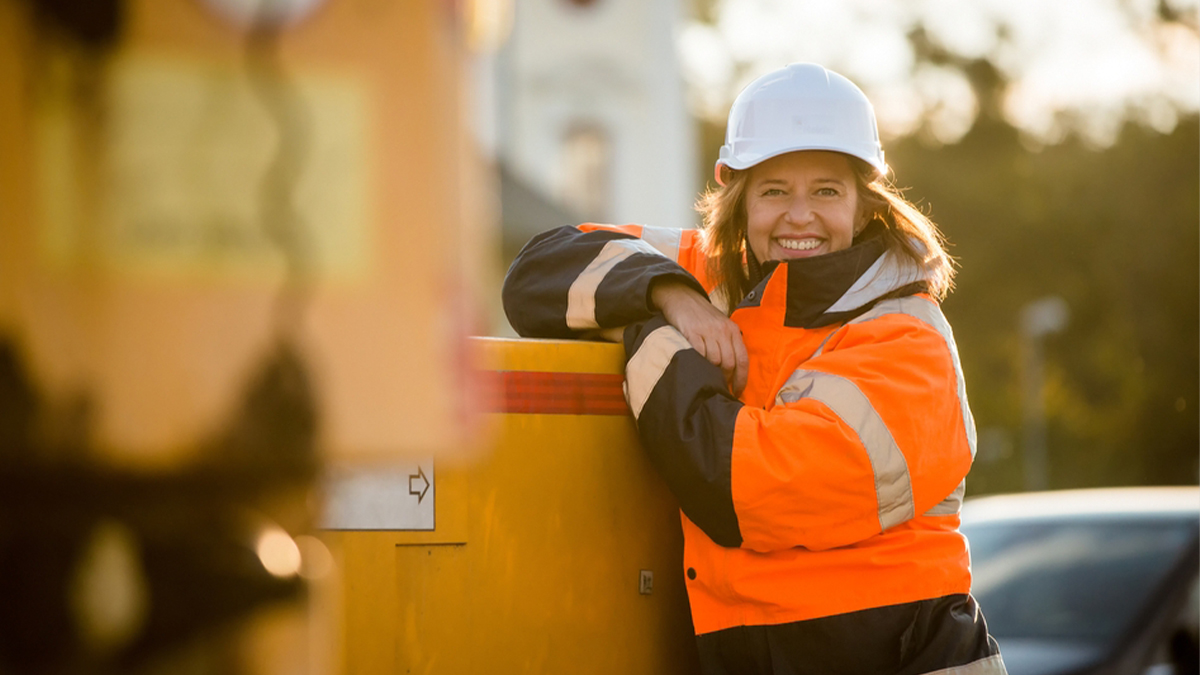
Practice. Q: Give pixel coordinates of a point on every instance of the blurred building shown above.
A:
(584, 108)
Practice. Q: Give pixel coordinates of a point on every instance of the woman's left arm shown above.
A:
(871, 433)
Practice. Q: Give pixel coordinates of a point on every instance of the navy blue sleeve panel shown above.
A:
(686, 424)
(623, 297)
(535, 288)
(566, 282)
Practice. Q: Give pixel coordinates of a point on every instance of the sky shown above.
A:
(1073, 65)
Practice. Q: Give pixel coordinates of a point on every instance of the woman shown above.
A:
(818, 436)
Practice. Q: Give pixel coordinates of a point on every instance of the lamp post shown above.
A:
(1039, 318)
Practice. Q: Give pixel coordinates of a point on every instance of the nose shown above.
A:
(799, 210)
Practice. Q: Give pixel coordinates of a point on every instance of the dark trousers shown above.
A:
(909, 639)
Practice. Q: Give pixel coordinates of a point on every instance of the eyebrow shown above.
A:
(780, 181)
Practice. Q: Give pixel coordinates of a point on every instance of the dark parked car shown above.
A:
(1093, 582)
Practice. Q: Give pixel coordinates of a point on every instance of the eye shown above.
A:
(772, 192)
(828, 192)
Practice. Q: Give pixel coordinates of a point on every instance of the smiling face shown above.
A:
(801, 204)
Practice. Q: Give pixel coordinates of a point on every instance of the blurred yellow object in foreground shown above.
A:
(229, 254)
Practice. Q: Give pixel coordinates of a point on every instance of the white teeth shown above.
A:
(800, 244)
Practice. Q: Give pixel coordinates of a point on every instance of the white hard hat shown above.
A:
(803, 106)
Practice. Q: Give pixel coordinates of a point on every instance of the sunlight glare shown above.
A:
(278, 552)
(1071, 65)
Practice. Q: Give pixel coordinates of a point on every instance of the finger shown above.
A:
(729, 360)
(724, 358)
(743, 364)
(735, 368)
(720, 356)
(712, 348)
(697, 341)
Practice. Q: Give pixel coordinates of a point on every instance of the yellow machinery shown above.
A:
(558, 552)
(235, 258)
(175, 205)
(239, 241)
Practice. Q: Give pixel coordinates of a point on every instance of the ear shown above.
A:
(866, 216)
(862, 220)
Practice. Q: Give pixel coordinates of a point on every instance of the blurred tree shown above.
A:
(1117, 234)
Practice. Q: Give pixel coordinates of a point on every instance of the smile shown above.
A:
(799, 244)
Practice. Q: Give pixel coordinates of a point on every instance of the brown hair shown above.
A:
(906, 231)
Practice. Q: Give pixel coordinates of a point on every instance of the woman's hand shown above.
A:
(706, 328)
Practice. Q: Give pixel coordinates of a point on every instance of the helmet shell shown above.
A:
(803, 106)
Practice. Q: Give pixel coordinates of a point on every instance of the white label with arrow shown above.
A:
(400, 497)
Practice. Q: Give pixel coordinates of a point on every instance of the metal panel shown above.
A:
(537, 560)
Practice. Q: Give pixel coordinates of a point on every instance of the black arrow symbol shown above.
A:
(412, 478)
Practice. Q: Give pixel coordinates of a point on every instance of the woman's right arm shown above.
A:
(568, 282)
(572, 282)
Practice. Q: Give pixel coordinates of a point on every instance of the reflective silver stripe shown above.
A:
(821, 347)
(950, 505)
(649, 363)
(665, 239)
(581, 297)
(893, 486)
(929, 313)
(887, 274)
(991, 665)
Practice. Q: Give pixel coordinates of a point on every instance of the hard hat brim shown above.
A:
(747, 160)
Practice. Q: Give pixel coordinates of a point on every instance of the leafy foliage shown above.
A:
(1116, 233)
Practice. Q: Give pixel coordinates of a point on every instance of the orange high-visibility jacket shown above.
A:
(834, 484)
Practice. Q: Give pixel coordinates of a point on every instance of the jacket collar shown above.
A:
(835, 287)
